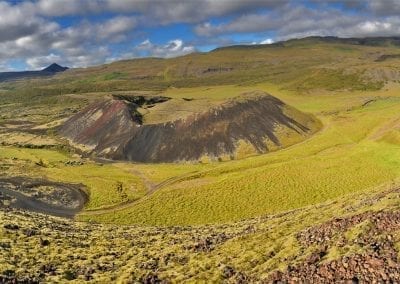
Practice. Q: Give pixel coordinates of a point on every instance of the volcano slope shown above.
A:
(251, 123)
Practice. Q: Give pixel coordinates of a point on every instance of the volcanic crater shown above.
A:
(250, 123)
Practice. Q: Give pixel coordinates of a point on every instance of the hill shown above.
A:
(46, 72)
(54, 68)
(246, 125)
(301, 65)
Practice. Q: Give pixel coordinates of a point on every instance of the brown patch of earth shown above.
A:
(42, 196)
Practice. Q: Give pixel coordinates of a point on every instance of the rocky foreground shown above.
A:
(378, 259)
(354, 239)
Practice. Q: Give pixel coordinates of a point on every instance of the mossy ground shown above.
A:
(352, 153)
(56, 250)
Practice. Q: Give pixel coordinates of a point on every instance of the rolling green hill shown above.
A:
(310, 63)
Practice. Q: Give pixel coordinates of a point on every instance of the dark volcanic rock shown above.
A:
(113, 129)
(378, 263)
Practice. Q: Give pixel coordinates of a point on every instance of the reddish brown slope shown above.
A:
(101, 127)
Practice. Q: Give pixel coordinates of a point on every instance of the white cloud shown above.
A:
(161, 11)
(18, 21)
(38, 40)
(55, 8)
(172, 48)
(29, 29)
(96, 56)
(116, 26)
(385, 7)
(369, 27)
(300, 21)
(267, 41)
(42, 61)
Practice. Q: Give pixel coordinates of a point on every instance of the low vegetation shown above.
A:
(327, 202)
(40, 248)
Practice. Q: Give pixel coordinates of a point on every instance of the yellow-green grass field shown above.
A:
(357, 149)
(101, 181)
(347, 156)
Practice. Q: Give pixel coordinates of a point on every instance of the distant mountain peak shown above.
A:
(54, 68)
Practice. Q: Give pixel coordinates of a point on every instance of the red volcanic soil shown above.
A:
(113, 129)
(102, 126)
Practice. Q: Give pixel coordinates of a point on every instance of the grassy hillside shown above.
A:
(299, 65)
(343, 158)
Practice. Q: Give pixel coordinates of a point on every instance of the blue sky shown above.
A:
(81, 33)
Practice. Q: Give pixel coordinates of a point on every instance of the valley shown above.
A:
(276, 176)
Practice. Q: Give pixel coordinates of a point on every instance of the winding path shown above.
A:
(151, 189)
(31, 204)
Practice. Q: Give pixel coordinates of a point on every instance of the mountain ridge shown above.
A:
(337, 62)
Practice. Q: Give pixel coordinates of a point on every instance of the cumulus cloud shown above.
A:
(40, 40)
(194, 11)
(300, 21)
(43, 61)
(172, 48)
(11, 24)
(267, 41)
(31, 31)
(74, 59)
(385, 7)
(116, 28)
(56, 8)
(163, 11)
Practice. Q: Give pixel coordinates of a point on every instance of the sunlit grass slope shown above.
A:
(348, 87)
(356, 150)
(345, 157)
(311, 63)
(101, 181)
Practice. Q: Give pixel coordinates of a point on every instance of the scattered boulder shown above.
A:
(379, 260)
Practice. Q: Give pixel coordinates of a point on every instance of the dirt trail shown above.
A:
(383, 128)
(147, 182)
(151, 189)
(17, 199)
